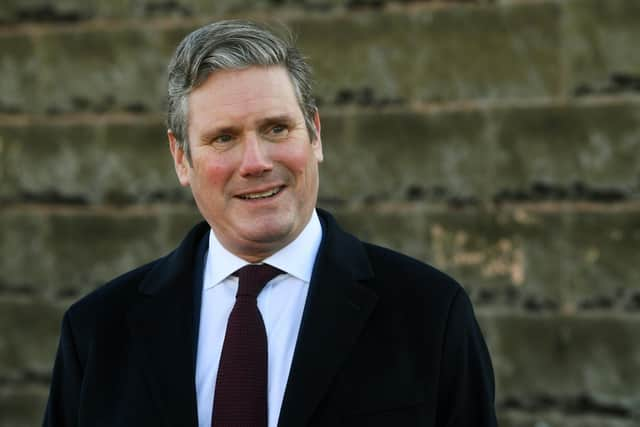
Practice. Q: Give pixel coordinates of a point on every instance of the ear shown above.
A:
(180, 161)
(317, 142)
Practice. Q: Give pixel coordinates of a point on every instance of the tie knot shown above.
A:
(253, 277)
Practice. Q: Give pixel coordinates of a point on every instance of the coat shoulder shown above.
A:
(127, 289)
(113, 296)
(404, 271)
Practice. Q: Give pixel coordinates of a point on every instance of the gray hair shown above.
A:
(228, 45)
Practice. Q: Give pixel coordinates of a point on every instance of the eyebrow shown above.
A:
(214, 132)
(280, 118)
(225, 129)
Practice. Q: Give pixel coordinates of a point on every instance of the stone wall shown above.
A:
(498, 140)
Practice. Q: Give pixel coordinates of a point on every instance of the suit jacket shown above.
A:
(385, 340)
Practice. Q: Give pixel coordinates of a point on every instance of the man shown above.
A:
(345, 334)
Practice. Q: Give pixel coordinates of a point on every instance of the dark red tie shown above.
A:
(241, 386)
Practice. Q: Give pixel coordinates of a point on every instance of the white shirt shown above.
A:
(281, 303)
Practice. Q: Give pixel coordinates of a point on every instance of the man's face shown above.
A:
(254, 169)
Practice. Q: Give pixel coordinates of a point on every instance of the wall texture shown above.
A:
(498, 140)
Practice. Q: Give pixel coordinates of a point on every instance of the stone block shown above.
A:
(76, 251)
(600, 46)
(550, 258)
(560, 259)
(15, 11)
(30, 337)
(433, 54)
(582, 151)
(89, 162)
(94, 69)
(22, 406)
(438, 54)
(592, 358)
(402, 155)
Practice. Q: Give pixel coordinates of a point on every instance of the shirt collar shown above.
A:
(296, 259)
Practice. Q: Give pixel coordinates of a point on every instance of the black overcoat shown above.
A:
(385, 340)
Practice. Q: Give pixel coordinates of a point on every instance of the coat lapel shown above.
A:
(338, 306)
(163, 334)
(336, 311)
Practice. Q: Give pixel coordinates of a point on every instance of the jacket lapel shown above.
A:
(163, 334)
(336, 310)
(338, 306)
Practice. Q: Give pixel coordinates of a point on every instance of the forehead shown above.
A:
(243, 94)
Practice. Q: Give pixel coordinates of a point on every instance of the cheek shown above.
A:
(299, 160)
(214, 175)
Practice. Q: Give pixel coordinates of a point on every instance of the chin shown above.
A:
(264, 228)
(269, 235)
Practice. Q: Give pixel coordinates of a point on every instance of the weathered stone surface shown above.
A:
(530, 258)
(77, 251)
(76, 10)
(554, 259)
(22, 406)
(51, 10)
(29, 339)
(559, 419)
(422, 56)
(96, 162)
(600, 51)
(86, 70)
(584, 151)
(425, 56)
(556, 357)
(547, 152)
(553, 277)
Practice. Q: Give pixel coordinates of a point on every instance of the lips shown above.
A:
(261, 194)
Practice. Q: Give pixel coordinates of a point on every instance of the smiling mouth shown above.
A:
(262, 195)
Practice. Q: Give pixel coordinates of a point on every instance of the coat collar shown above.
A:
(336, 311)
(163, 331)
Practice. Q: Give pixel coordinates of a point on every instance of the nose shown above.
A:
(255, 159)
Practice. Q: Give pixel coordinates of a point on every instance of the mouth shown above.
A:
(261, 195)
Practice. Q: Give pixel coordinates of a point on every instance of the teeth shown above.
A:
(262, 195)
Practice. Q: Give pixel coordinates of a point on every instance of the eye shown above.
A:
(278, 131)
(222, 139)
